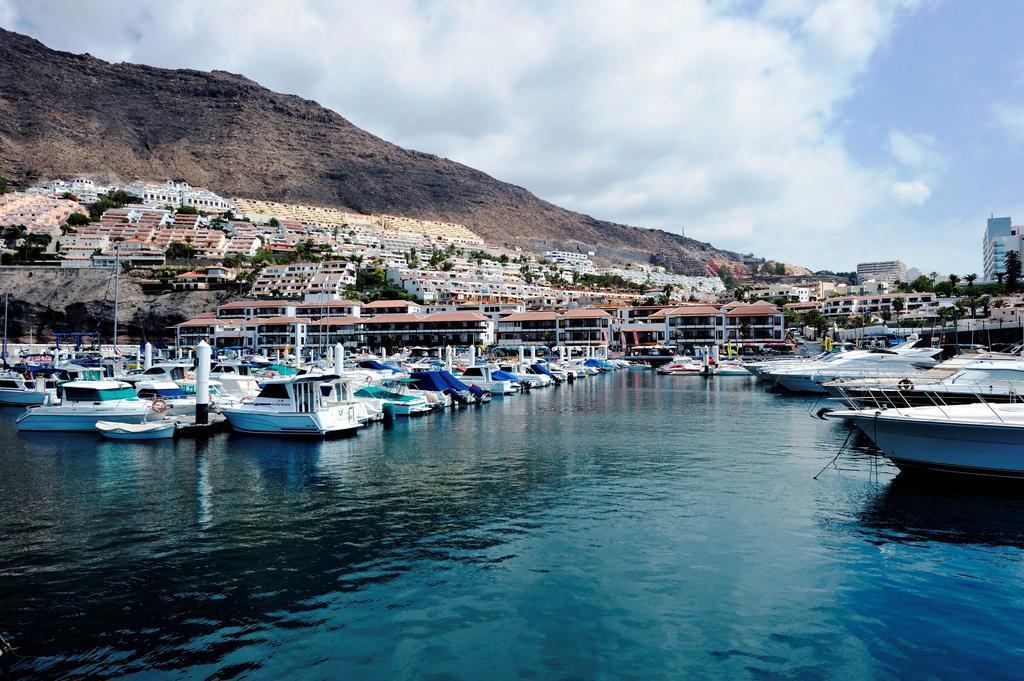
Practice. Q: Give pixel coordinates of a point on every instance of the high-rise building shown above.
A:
(889, 271)
(1000, 238)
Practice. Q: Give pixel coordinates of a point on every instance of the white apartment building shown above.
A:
(889, 271)
(915, 305)
(179, 194)
(579, 262)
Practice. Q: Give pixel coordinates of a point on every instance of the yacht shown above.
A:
(653, 356)
(18, 390)
(900, 362)
(952, 382)
(523, 375)
(976, 440)
(292, 406)
(83, 403)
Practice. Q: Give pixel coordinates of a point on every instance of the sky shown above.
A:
(817, 132)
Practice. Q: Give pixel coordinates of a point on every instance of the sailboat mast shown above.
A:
(117, 289)
(7, 295)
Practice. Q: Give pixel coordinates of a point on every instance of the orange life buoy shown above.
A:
(159, 405)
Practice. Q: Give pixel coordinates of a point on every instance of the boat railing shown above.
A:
(896, 398)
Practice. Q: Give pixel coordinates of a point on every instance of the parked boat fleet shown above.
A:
(963, 416)
(255, 395)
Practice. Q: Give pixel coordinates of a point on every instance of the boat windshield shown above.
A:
(75, 394)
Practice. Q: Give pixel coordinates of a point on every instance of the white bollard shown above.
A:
(339, 359)
(383, 354)
(472, 355)
(714, 354)
(298, 348)
(449, 355)
(522, 357)
(147, 362)
(533, 355)
(203, 353)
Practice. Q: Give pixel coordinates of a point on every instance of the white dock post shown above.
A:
(714, 354)
(298, 348)
(522, 357)
(449, 356)
(339, 358)
(203, 353)
(472, 355)
(533, 355)
(147, 361)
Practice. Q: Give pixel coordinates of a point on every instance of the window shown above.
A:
(274, 391)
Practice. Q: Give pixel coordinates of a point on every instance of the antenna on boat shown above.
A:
(3, 355)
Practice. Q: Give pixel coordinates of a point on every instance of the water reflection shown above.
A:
(915, 509)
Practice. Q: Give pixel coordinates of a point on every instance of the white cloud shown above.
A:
(1010, 119)
(916, 150)
(665, 114)
(914, 192)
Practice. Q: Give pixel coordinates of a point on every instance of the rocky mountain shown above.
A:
(63, 114)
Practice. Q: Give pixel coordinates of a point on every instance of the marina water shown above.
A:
(627, 526)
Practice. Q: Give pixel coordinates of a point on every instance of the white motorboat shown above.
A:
(900, 362)
(17, 390)
(151, 430)
(342, 392)
(401, 403)
(83, 403)
(729, 368)
(996, 379)
(292, 406)
(980, 439)
(489, 377)
(237, 378)
(523, 375)
(165, 371)
(681, 366)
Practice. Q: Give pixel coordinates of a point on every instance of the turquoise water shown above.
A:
(628, 526)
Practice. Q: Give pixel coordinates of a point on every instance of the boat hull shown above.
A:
(64, 421)
(951, 447)
(21, 398)
(319, 424)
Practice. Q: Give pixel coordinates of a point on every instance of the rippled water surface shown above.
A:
(628, 526)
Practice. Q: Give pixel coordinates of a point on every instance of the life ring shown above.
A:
(159, 405)
(27, 375)
(906, 384)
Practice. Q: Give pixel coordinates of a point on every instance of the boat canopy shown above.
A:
(499, 375)
(97, 391)
(374, 364)
(541, 369)
(438, 381)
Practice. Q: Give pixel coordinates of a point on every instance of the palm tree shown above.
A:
(898, 305)
(954, 280)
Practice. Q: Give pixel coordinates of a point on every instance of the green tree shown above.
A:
(1012, 263)
(179, 251)
(274, 222)
(780, 269)
(898, 305)
(922, 284)
(187, 210)
(77, 219)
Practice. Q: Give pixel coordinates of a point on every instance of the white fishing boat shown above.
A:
(292, 406)
(20, 391)
(978, 440)
(151, 430)
(83, 403)
(237, 378)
